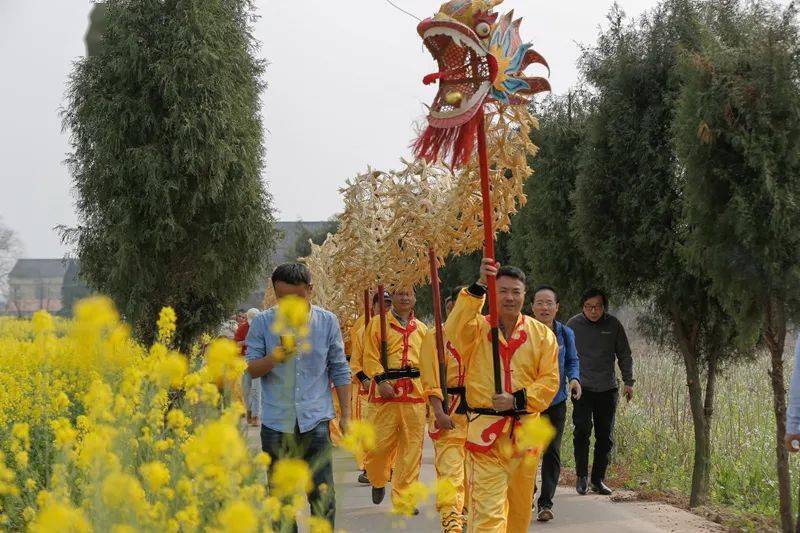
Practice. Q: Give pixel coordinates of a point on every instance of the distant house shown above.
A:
(35, 284)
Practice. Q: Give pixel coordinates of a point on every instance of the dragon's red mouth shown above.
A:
(465, 73)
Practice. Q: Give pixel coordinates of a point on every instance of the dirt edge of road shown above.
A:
(732, 520)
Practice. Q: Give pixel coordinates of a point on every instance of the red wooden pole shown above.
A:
(437, 321)
(488, 240)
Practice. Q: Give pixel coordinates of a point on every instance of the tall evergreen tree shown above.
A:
(167, 157)
(738, 134)
(628, 201)
(541, 242)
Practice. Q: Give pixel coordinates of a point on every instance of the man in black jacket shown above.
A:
(600, 339)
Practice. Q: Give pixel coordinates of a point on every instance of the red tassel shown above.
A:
(457, 142)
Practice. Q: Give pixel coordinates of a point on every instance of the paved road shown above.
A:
(356, 512)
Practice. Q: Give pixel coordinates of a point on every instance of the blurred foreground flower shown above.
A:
(319, 525)
(411, 498)
(534, 433)
(359, 439)
(223, 361)
(446, 492)
(291, 325)
(290, 477)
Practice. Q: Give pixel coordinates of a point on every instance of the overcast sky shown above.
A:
(344, 86)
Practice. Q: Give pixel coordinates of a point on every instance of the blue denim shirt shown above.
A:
(568, 365)
(298, 390)
(793, 412)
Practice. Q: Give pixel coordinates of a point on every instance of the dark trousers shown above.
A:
(598, 409)
(314, 447)
(551, 461)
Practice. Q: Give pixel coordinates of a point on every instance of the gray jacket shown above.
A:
(599, 343)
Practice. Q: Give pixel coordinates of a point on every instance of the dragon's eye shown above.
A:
(483, 29)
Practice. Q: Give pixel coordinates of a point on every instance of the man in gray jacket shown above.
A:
(600, 339)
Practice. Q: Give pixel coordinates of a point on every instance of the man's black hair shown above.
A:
(292, 273)
(240, 310)
(594, 292)
(545, 287)
(511, 272)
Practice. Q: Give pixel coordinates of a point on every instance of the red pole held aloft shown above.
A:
(437, 321)
(488, 240)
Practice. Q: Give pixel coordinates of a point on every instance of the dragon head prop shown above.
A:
(481, 57)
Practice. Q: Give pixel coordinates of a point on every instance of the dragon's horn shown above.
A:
(532, 56)
(536, 85)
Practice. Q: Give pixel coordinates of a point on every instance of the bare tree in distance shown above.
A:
(10, 248)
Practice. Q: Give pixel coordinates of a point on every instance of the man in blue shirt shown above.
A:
(295, 394)
(545, 309)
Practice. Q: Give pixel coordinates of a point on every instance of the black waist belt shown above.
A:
(492, 412)
(461, 408)
(398, 373)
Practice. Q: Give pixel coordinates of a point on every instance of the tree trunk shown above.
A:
(774, 336)
(687, 336)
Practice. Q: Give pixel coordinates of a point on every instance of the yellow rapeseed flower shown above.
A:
(446, 491)
(167, 320)
(263, 459)
(410, 498)
(291, 325)
(42, 322)
(60, 517)
(188, 517)
(360, 438)
(155, 475)
(61, 402)
(21, 434)
(170, 370)
(177, 420)
(7, 478)
(96, 312)
(163, 445)
(272, 508)
(224, 362)
(534, 433)
(21, 458)
(318, 524)
(123, 491)
(215, 451)
(290, 477)
(28, 514)
(292, 312)
(238, 517)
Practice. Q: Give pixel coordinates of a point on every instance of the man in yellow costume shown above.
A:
(447, 427)
(396, 397)
(500, 475)
(361, 405)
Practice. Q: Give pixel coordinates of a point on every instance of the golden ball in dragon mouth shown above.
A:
(453, 97)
